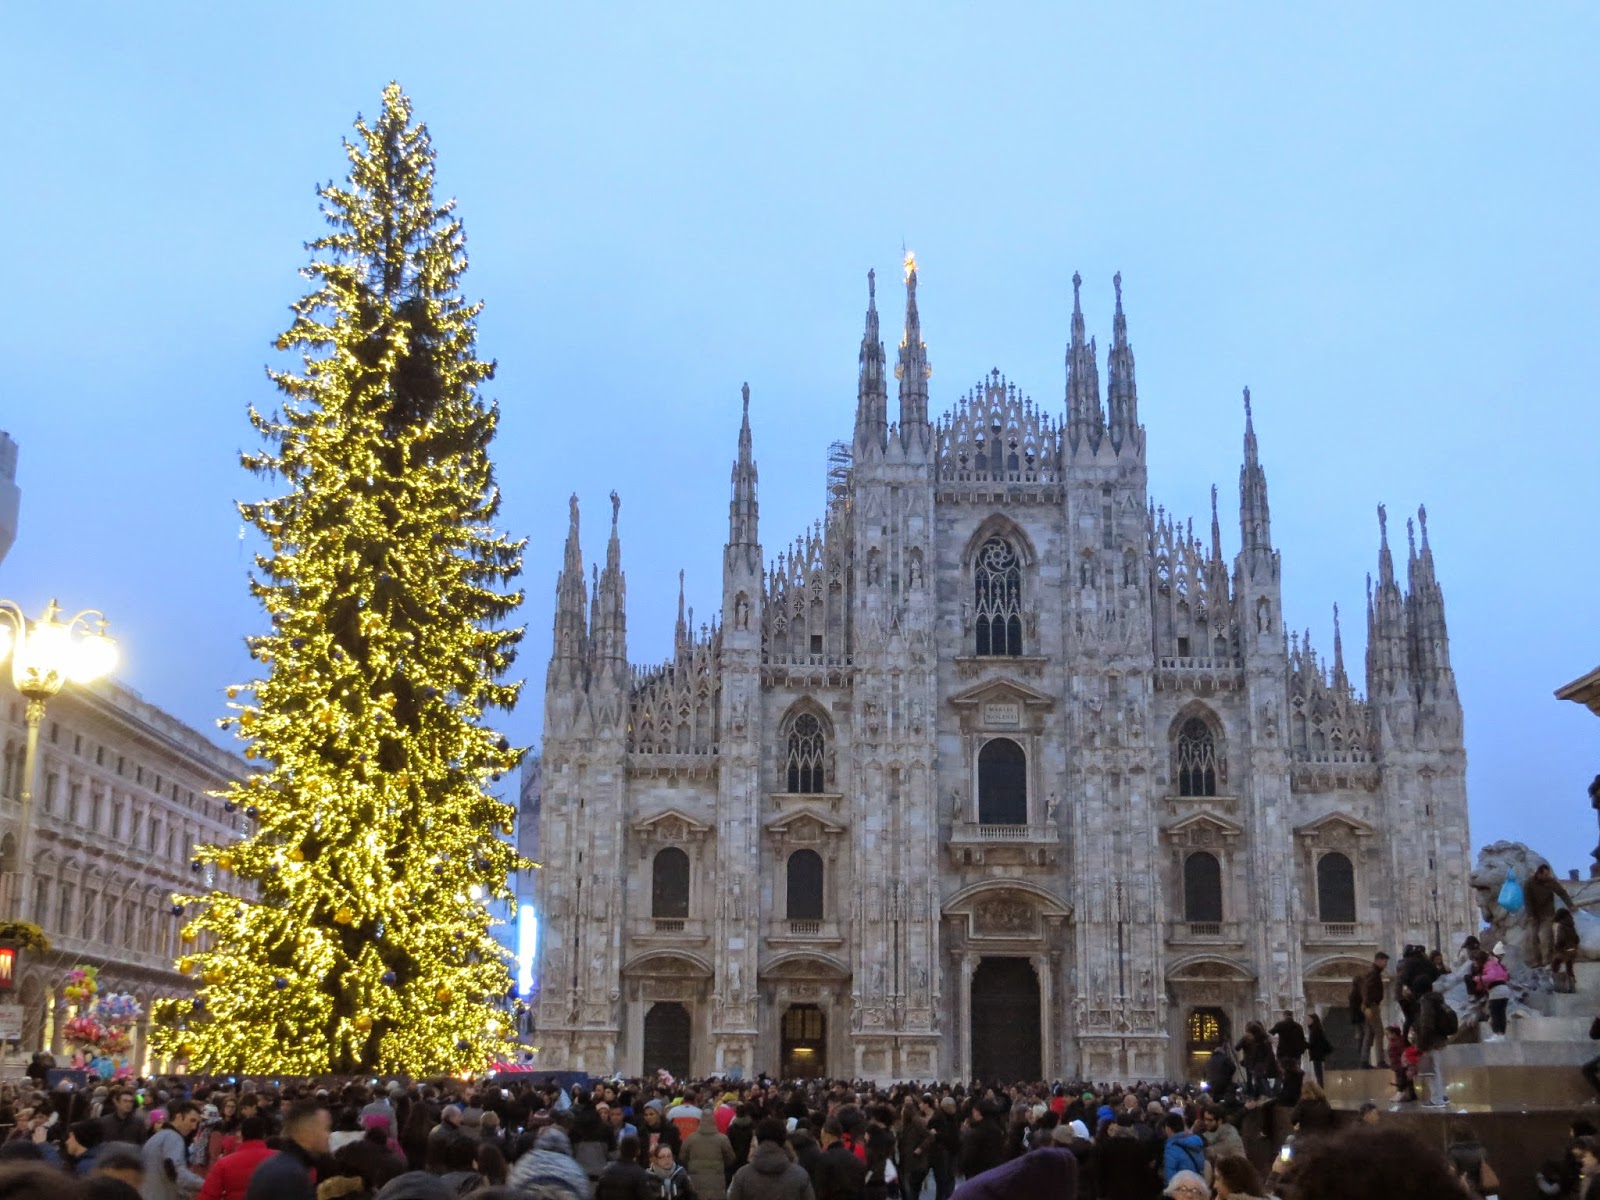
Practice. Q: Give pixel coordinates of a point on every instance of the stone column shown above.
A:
(1047, 1025)
(964, 1015)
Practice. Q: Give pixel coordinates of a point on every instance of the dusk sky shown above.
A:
(1383, 219)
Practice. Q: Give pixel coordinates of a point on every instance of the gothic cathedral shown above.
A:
(998, 771)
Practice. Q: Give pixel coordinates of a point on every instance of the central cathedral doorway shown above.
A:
(667, 1034)
(1006, 1045)
(804, 1043)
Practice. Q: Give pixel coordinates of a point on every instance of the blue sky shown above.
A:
(1381, 218)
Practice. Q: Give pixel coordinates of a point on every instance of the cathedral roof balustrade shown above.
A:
(1339, 933)
(1199, 674)
(1205, 933)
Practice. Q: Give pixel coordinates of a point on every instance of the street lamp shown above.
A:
(45, 655)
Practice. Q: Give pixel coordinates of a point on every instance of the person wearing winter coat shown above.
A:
(1539, 898)
(1292, 1043)
(982, 1143)
(671, 1179)
(1184, 1151)
(229, 1176)
(625, 1179)
(1433, 1034)
(549, 1168)
(707, 1155)
(839, 1174)
(1317, 1045)
(770, 1174)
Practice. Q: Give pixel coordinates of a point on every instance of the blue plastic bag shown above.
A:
(1511, 893)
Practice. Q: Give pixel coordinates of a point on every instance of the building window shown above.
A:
(64, 908)
(8, 775)
(805, 886)
(1336, 889)
(1002, 783)
(997, 582)
(669, 884)
(1197, 759)
(1202, 888)
(807, 755)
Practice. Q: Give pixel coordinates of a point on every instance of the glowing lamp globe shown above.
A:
(94, 657)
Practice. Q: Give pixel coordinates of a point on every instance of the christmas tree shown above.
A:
(346, 930)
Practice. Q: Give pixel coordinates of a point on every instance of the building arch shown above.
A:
(805, 877)
(1002, 782)
(1210, 967)
(807, 963)
(805, 749)
(669, 884)
(1198, 751)
(998, 525)
(1336, 888)
(669, 962)
(1047, 901)
(1202, 888)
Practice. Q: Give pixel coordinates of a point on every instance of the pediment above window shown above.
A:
(1001, 704)
(804, 826)
(1334, 829)
(1202, 829)
(672, 826)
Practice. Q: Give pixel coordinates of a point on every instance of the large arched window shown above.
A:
(997, 583)
(1202, 888)
(806, 756)
(1196, 759)
(1002, 783)
(1336, 889)
(805, 886)
(669, 884)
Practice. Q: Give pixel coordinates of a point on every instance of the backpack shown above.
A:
(1445, 1022)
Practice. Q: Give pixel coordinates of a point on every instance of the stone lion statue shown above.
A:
(1512, 928)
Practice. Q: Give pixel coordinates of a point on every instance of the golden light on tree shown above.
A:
(341, 932)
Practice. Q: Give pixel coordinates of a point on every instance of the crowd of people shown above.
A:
(513, 1138)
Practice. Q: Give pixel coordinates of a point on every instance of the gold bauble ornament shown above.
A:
(188, 935)
(297, 855)
(213, 977)
(344, 916)
(363, 1023)
(442, 995)
(185, 965)
(225, 862)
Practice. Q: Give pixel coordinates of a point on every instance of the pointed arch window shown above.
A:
(669, 884)
(1202, 888)
(806, 756)
(804, 898)
(1336, 889)
(1196, 759)
(1002, 783)
(997, 583)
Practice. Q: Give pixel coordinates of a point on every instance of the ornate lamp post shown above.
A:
(45, 654)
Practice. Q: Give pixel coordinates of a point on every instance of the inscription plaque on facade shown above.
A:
(1005, 713)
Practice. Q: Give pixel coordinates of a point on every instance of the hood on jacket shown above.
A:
(415, 1185)
(769, 1158)
(708, 1123)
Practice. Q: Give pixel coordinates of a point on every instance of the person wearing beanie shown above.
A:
(549, 1169)
(83, 1139)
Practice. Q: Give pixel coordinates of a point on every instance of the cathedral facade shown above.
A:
(997, 771)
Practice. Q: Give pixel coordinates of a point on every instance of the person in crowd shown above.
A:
(1257, 1058)
(1395, 1046)
(83, 1140)
(1369, 1052)
(1292, 1043)
(1317, 1046)
(229, 1177)
(946, 1126)
(33, 1181)
(549, 1170)
(1494, 982)
(655, 1130)
(1049, 1171)
(1368, 1113)
(166, 1156)
(119, 1161)
(124, 1123)
(1221, 1137)
(770, 1174)
(1186, 1185)
(1236, 1179)
(982, 1142)
(1588, 1156)
(1539, 895)
(1366, 1163)
(447, 1131)
(673, 1182)
(685, 1115)
(1184, 1150)
(623, 1178)
(839, 1174)
(1220, 1070)
(287, 1175)
(1470, 1163)
(1436, 1023)
(914, 1145)
(1409, 974)
(617, 1127)
(707, 1155)
(1564, 958)
(741, 1134)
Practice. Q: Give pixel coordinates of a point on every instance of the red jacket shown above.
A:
(230, 1175)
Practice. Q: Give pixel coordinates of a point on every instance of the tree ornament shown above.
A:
(344, 916)
(297, 855)
(229, 806)
(443, 995)
(196, 866)
(188, 936)
(199, 1004)
(390, 978)
(251, 812)
(463, 1045)
(363, 1023)
(280, 983)
(176, 910)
